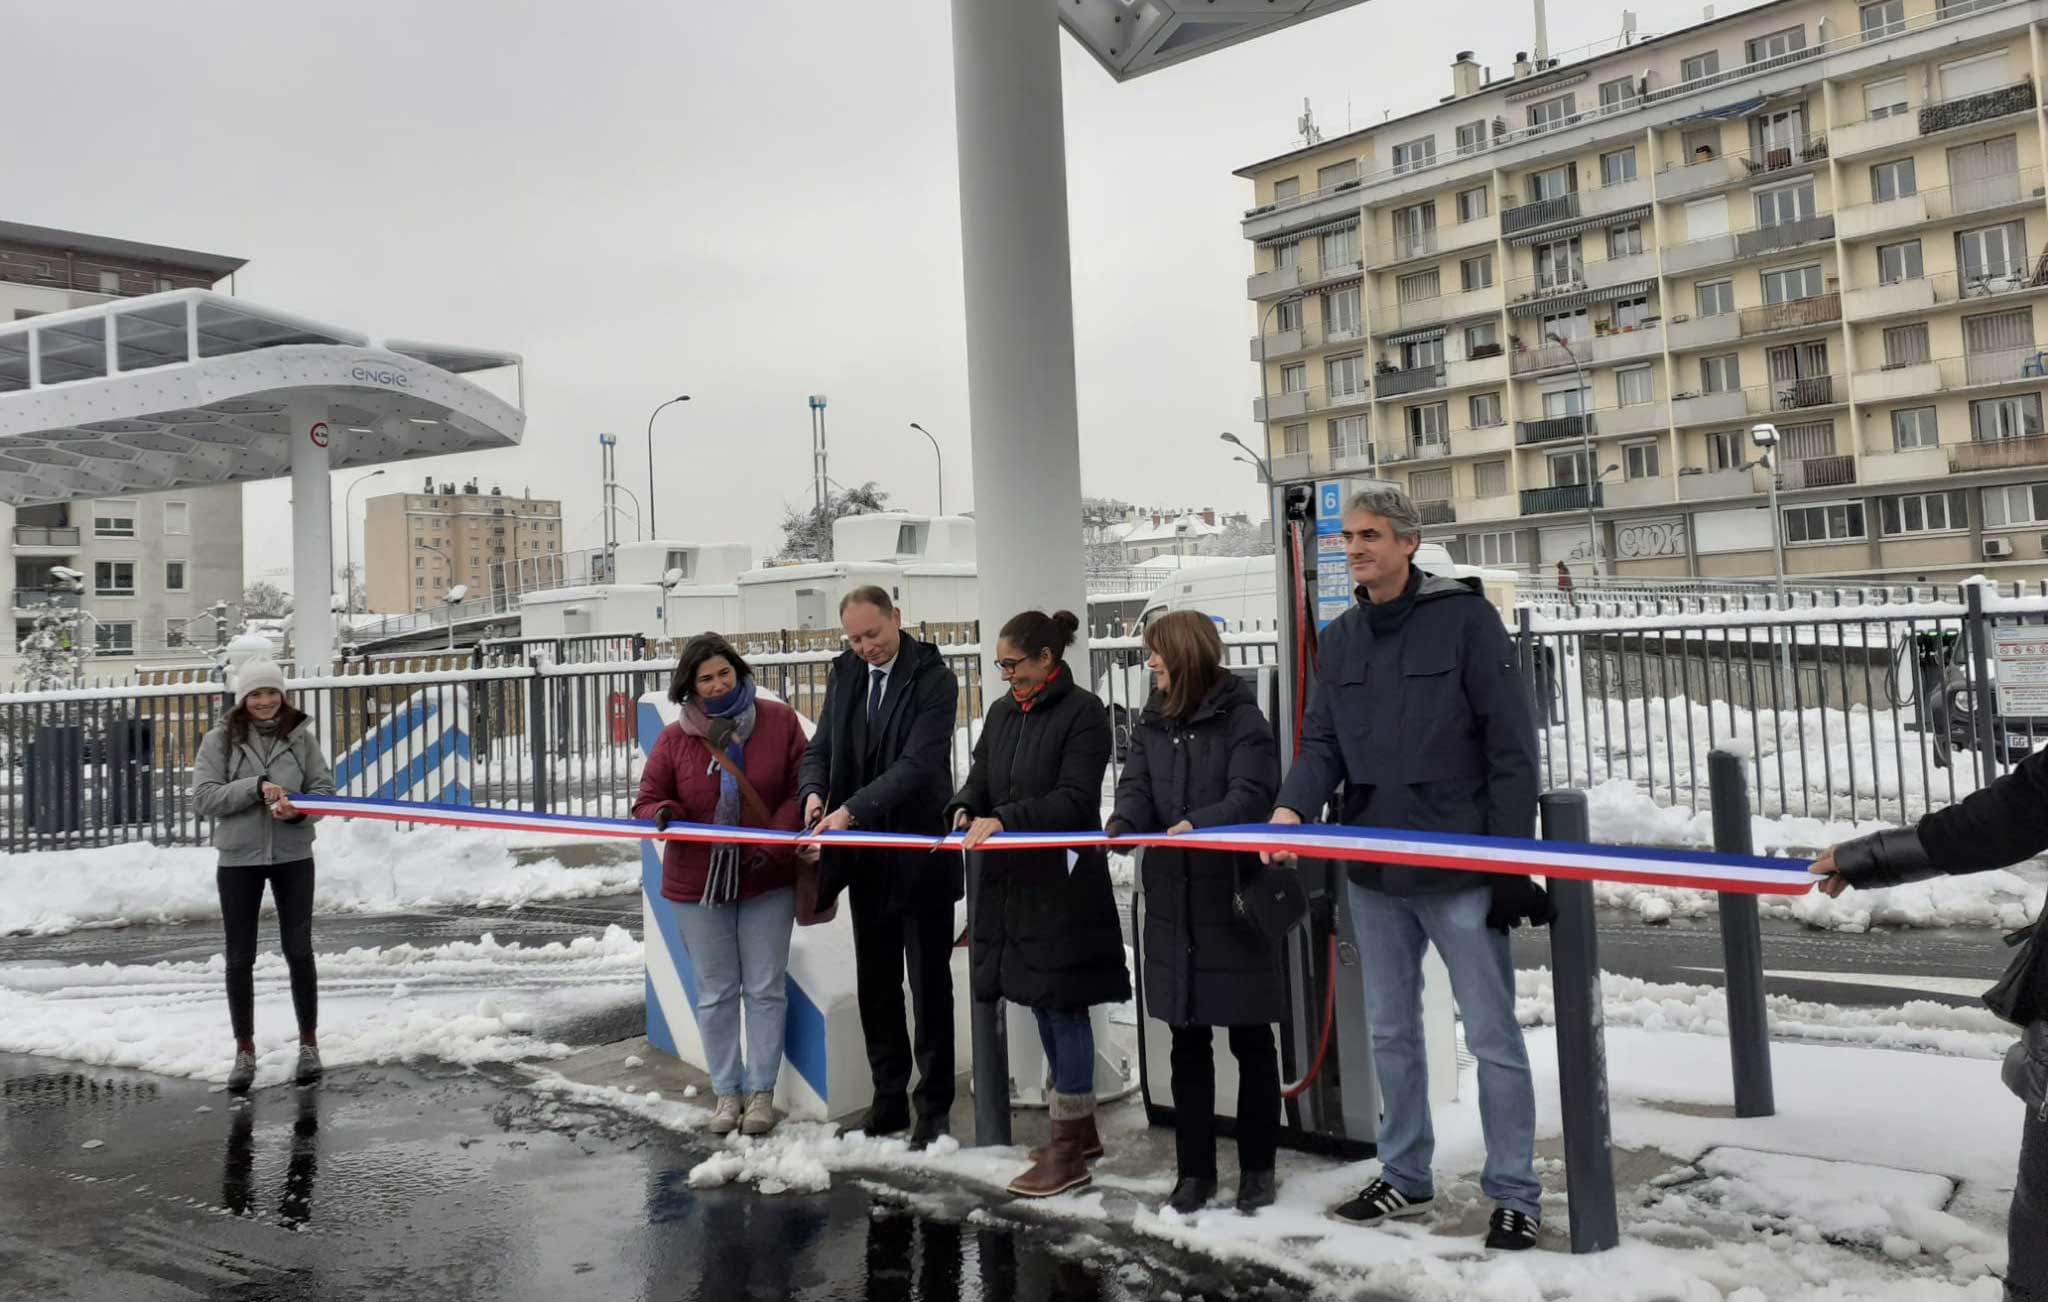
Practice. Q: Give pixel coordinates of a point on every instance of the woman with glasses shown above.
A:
(1044, 931)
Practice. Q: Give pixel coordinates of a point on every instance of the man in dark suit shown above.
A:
(881, 761)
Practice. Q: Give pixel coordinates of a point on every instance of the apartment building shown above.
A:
(419, 545)
(1553, 304)
(154, 566)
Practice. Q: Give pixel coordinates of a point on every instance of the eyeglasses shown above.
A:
(1009, 666)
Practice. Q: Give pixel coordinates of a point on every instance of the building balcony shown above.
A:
(1728, 405)
(1482, 439)
(1875, 135)
(1292, 466)
(1478, 510)
(1652, 490)
(1279, 406)
(1733, 405)
(1703, 485)
(1339, 199)
(1886, 466)
(1697, 178)
(1490, 369)
(1552, 428)
(1816, 472)
(1968, 110)
(1272, 284)
(1416, 379)
(1610, 272)
(1434, 242)
(1697, 255)
(1352, 459)
(1784, 236)
(1437, 511)
(1416, 313)
(1595, 350)
(1910, 297)
(1897, 298)
(1998, 454)
(1413, 449)
(63, 598)
(1635, 418)
(1564, 497)
(1543, 212)
(46, 540)
(1945, 203)
(1705, 331)
(1891, 383)
(1304, 339)
(1793, 314)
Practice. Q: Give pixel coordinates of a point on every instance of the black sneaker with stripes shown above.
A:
(1511, 1231)
(1380, 1201)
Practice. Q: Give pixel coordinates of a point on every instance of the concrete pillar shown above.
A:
(312, 540)
(1020, 316)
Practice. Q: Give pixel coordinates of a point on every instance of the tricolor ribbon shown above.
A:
(1699, 869)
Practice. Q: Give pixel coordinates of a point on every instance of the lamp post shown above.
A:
(681, 397)
(447, 560)
(1265, 390)
(1257, 462)
(1765, 435)
(1585, 454)
(942, 463)
(348, 546)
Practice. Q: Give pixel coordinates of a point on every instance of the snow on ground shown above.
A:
(465, 1002)
(362, 866)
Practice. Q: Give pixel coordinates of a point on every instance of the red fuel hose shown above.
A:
(1323, 1040)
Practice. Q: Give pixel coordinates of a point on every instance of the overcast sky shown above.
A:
(746, 202)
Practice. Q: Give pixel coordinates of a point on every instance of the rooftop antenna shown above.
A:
(1628, 26)
(1311, 134)
(1542, 37)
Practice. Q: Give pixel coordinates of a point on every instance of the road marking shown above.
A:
(1935, 985)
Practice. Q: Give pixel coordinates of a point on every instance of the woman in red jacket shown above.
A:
(737, 902)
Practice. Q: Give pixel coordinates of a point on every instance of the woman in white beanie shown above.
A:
(249, 763)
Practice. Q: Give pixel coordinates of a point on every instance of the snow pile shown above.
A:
(1920, 1025)
(463, 1002)
(362, 866)
(1840, 1200)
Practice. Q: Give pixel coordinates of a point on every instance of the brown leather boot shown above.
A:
(1063, 1167)
(1091, 1142)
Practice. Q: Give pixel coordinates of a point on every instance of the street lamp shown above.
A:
(1585, 452)
(455, 596)
(1257, 462)
(348, 545)
(681, 397)
(1765, 435)
(942, 463)
(1265, 392)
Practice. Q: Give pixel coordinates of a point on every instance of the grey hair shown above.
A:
(1394, 505)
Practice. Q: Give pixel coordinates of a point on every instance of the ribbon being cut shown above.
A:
(1698, 869)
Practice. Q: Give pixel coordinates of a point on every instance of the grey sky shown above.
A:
(745, 202)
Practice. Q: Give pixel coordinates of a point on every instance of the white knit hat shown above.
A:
(261, 671)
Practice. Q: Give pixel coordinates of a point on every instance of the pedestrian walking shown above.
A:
(1044, 932)
(249, 765)
(1203, 755)
(731, 760)
(881, 760)
(1991, 828)
(1418, 711)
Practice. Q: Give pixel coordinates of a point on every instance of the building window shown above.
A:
(1348, 438)
(1336, 174)
(1294, 440)
(1884, 99)
(1560, 263)
(1882, 19)
(1485, 335)
(1572, 326)
(1992, 258)
(2016, 416)
(1897, 262)
(1472, 204)
(1634, 386)
(1716, 297)
(1617, 94)
(1625, 241)
(1840, 522)
(1418, 285)
(1346, 375)
(1287, 315)
(1429, 427)
(1427, 351)
(1921, 513)
(1628, 313)
(1415, 155)
(1549, 114)
(1288, 187)
(1490, 479)
(1566, 402)
(1485, 410)
(1914, 427)
(1785, 205)
(116, 638)
(1777, 45)
(1893, 180)
(1294, 379)
(1566, 469)
(1493, 548)
(1341, 318)
(1471, 138)
(1639, 460)
(114, 517)
(110, 282)
(1286, 255)
(177, 517)
(174, 576)
(1552, 183)
(1430, 485)
(1788, 283)
(113, 578)
(2015, 504)
(1476, 273)
(1619, 167)
(1906, 345)
(1724, 449)
(1973, 76)
(419, 581)
(1721, 374)
(1338, 248)
(1699, 66)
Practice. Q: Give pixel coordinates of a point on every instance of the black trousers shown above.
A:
(887, 943)
(1194, 1098)
(2026, 1226)
(241, 900)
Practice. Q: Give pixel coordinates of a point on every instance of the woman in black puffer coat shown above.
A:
(1203, 755)
(1044, 931)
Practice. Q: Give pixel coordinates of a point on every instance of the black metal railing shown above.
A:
(1564, 497)
(1555, 427)
(1543, 212)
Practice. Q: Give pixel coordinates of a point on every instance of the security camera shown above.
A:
(1764, 434)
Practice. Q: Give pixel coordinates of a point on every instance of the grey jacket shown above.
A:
(228, 788)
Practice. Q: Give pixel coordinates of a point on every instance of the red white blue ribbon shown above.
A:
(1697, 869)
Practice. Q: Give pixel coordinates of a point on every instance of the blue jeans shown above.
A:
(741, 952)
(1069, 1040)
(1392, 933)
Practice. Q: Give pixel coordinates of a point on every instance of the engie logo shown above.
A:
(381, 375)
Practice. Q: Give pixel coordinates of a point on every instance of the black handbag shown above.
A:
(2021, 995)
(1272, 901)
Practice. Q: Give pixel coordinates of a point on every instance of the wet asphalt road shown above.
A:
(438, 1183)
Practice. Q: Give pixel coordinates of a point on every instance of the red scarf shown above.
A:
(1025, 700)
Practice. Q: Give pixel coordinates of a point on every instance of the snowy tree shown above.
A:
(1239, 538)
(807, 535)
(265, 601)
(50, 654)
(1099, 534)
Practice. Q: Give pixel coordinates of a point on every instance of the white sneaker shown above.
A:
(760, 1118)
(725, 1117)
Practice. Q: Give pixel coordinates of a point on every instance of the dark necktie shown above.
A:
(875, 681)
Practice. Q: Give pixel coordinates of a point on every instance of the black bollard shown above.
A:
(1581, 1041)
(1742, 944)
(989, 1042)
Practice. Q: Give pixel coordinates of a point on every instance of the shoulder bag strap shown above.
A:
(757, 809)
